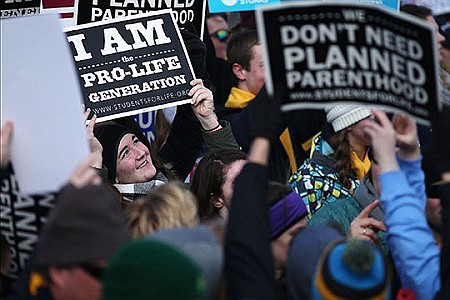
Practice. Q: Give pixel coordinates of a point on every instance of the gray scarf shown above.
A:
(366, 194)
(131, 191)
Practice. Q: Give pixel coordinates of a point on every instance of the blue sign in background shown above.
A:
(146, 122)
(390, 4)
(216, 6)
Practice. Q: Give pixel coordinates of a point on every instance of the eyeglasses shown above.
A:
(222, 35)
(95, 272)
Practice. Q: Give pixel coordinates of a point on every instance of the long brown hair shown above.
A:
(343, 165)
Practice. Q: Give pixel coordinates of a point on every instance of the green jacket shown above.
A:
(342, 213)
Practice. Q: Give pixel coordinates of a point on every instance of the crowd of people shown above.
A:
(349, 202)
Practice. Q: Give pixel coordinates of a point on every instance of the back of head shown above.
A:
(303, 258)
(150, 269)
(202, 246)
(209, 177)
(355, 269)
(418, 11)
(86, 224)
(170, 205)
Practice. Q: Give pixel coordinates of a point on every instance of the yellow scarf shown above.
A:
(361, 167)
(238, 98)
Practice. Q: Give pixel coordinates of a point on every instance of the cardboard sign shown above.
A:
(131, 65)
(390, 4)
(21, 220)
(41, 94)
(318, 54)
(216, 6)
(184, 11)
(18, 8)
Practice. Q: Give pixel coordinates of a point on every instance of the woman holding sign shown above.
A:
(338, 158)
(134, 170)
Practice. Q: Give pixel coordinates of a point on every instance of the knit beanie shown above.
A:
(151, 269)
(86, 225)
(343, 116)
(352, 270)
(303, 258)
(202, 246)
(109, 136)
(285, 213)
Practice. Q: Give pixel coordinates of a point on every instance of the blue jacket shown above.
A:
(410, 240)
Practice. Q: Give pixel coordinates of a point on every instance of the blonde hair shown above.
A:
(171, 205)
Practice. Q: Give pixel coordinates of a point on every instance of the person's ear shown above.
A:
(217, 202)
(238, 71)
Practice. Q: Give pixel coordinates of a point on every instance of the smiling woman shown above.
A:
(132, 167)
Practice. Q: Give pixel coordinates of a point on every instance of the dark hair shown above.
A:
(277, 191)
(162, 131)
(416, 10)
(239, 49)
(209, 177)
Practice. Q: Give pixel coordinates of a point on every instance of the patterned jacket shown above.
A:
(316, 181)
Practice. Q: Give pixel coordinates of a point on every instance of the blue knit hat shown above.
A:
(352, 270)
(303, 257)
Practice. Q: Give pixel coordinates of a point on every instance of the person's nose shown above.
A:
(139, 153)
(440, 37)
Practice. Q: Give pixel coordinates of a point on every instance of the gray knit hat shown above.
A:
(202, 246)
(86, 224)
(343, 116)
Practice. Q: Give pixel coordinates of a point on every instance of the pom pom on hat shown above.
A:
(343, 116)
(352, 270)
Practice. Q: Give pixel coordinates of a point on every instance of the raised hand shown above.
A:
(203, 104)
(406, 137)
(84, 174)
(383, 137)
(94, 144)
(365, 227)
(6, 134)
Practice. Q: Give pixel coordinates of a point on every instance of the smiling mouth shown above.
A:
(143, 164)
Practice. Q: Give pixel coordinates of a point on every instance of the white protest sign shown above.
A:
(40, 93)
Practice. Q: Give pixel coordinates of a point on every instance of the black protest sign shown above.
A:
(21, 219)
(18, 8)
(131, 65)
(317, 54)
(184, 11)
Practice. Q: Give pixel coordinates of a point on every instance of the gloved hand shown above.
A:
(265, 115)
(197, 52)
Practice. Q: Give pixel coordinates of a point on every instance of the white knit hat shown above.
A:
(343, 116)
